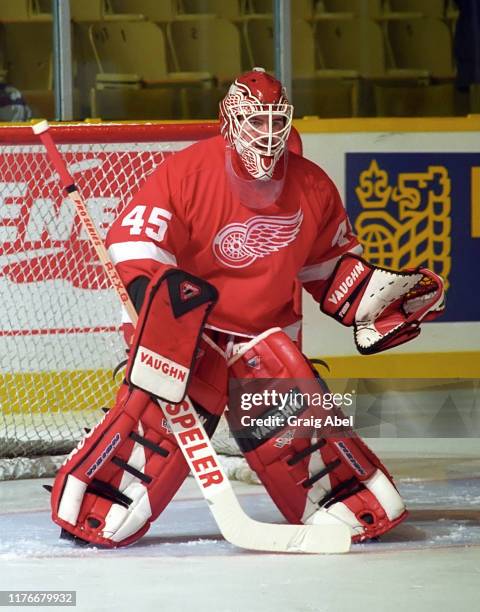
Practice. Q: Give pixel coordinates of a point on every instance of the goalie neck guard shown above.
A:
(255, 120)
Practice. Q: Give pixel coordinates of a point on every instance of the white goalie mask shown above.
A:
(255, 120)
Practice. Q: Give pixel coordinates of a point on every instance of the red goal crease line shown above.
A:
(59, 331)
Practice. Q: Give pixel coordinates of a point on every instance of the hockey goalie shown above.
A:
(210, 250)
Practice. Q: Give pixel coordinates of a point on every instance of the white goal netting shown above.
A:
(59, 321)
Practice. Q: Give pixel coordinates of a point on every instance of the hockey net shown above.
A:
(60, 336)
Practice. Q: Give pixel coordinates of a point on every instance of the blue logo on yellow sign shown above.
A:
(412, 210)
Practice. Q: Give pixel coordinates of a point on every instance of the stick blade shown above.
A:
(244, 532)
(325, 539)
(310, 539)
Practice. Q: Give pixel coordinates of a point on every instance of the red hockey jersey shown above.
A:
(187, 215)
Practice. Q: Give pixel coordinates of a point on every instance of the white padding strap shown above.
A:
(386, 494)
(120, 522)
(71, 501)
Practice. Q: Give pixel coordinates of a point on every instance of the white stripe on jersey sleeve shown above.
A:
(126, 251)
(323, 270)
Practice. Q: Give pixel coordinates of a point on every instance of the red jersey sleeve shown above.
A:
(150, 232)
(334, 238)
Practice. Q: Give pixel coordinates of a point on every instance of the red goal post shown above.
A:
(59, 320)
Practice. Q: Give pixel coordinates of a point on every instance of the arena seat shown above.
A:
(350, 51)
(422, 44)
(260, 7)
(347, 9)
(315, 92)
(324, 98)
(143, 104)
(99, 10)
(350, 44)
(358, 46)
(24, 10)
(300, 9)
(131, 55)
(227, 9)
(85, 67)
(27, 48)
(205, 44)
(379, 10)
(27, 60)
(203, 103)
(131, 80)
(132, 52)
(258, 39)
(42, 103)
(447, 10)
(415, 100)
(87, 10)
(395, 53)
(303, 49)
(428, 8)
(129, 48)
(42, 6)
(158, 11)
(257, 42)
(208, 47)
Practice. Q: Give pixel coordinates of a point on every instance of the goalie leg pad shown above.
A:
(107, 492)
(313, 477)
(168, 332)
(126, 470)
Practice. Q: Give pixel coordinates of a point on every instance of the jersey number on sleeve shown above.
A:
(156, 225)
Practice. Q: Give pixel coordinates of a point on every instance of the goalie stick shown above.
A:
(235, 526)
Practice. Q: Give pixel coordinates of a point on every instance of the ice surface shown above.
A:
(430, 562)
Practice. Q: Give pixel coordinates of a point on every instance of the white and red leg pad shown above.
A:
(121, 475)
(312, 477)
(126, 470)
(385, 307)
(168, 331)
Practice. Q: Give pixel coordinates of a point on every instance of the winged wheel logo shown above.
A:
(238, 245)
